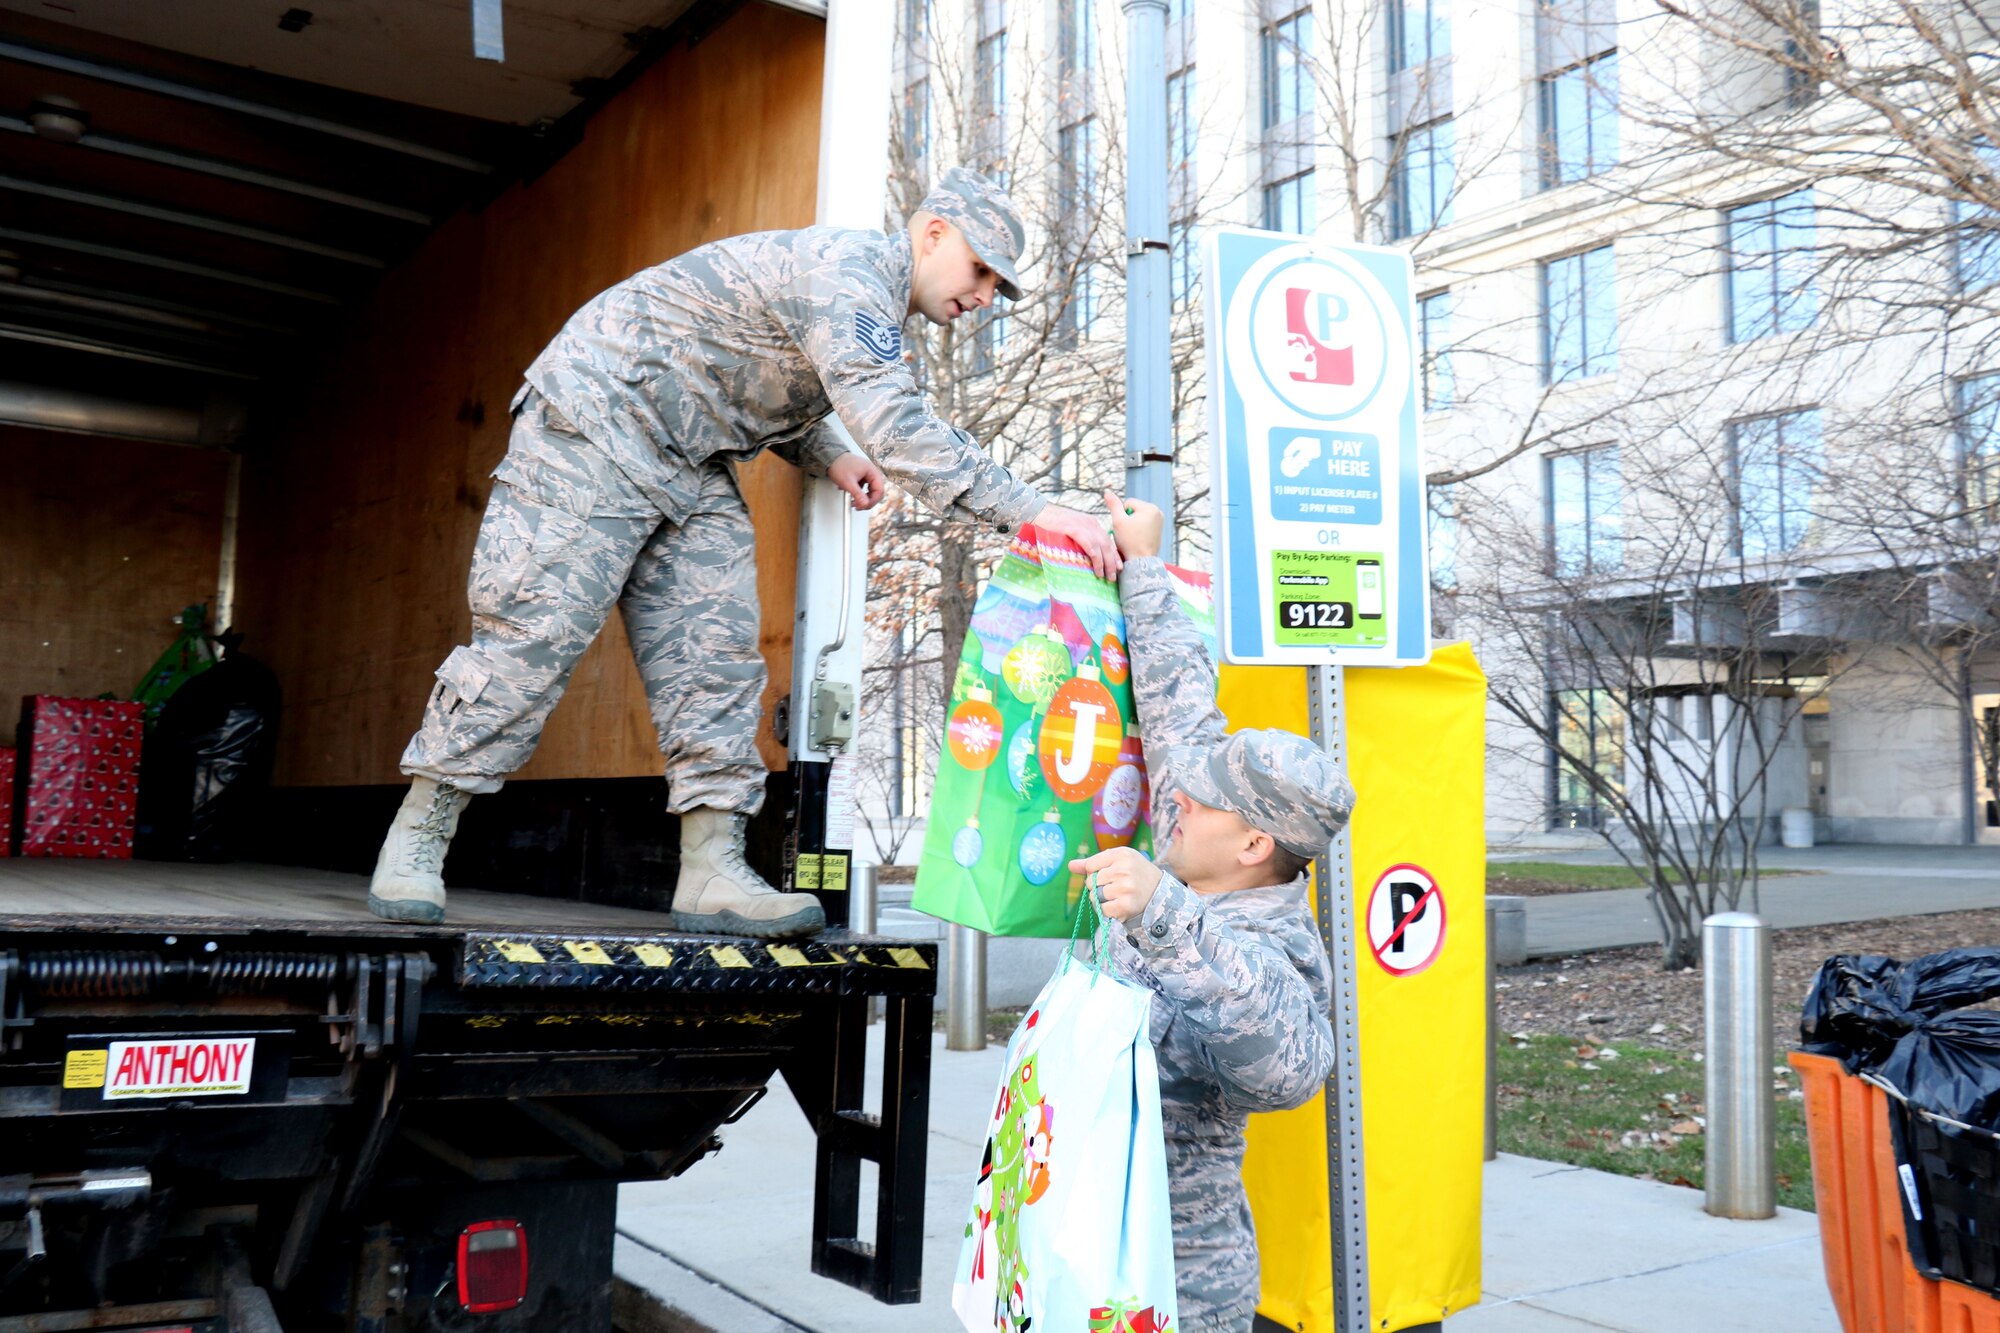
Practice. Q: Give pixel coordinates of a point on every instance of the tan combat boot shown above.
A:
(719, 894)
(409, 879)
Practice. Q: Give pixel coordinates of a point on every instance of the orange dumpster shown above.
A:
(1876, 1288)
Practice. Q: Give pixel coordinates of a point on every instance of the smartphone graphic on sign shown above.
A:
(1368, 589)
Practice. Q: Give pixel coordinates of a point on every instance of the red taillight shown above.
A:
(492, 1266)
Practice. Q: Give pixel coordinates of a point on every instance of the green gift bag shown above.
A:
(1042, 759)
(186, 657)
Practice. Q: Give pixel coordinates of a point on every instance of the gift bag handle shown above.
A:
(1100, 934)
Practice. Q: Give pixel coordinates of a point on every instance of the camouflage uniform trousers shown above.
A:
(566, 537)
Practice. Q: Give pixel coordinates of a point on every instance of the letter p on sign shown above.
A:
(1406, 920)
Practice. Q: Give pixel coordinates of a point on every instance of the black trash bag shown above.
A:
(207, 763)
(1950, 1066)
(1862, 1005)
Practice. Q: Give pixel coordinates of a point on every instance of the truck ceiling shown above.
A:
(191, 194)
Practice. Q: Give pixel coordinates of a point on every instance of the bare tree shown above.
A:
(1640, 651)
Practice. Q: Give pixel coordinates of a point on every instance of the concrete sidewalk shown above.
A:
(1848, 883)
(725, 1247)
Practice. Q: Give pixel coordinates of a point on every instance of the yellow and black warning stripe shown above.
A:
(697, 963)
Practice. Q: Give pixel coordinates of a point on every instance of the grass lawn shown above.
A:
(1637, 1113)
(1619, 876)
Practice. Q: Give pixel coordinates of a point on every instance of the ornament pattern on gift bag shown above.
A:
(1070, 1225)
(1042, 695)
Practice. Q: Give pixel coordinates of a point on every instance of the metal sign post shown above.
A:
(1347, 1202)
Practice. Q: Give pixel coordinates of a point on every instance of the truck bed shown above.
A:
(76, 895)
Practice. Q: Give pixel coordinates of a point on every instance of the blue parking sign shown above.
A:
(1317, 471)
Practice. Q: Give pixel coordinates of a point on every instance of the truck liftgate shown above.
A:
(299, 1129)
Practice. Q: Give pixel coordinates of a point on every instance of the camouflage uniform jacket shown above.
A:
(1242, 979)
(754, 342)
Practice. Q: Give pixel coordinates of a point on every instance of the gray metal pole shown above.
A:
(965, 1004)
(1736, 1002)
(1333, 877)
(1149, 441)
(1492, 1149)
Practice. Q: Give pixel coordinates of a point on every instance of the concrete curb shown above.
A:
(655, 1293)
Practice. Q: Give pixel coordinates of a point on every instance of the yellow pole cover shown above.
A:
(1416, 756)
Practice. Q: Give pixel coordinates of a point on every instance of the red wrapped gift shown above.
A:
(79, 774)
(6, 800)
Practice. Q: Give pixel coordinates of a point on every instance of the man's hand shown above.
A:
(1125, 881)
(1135, 525)
(860, 478)
(1082, 529)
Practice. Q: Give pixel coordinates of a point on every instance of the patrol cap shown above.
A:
(987, 217)
(1281, 784)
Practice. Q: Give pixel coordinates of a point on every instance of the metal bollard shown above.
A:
(864, 913)
(864, 900)
(1507, 928)
(1492, 1038)
(1736, 1012)
(965, 1007)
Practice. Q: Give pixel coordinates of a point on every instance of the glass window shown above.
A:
(1444, 533)
(1771, 267)
(1586, 512)
(1979, 444)
(1077, 149)
(1777, 475)
(1078, 35)
(1579, 316)
(1288, 82)
(917, 121)
(1580, 120)
(990, 78)
(1291, 205)
(1424, 179)
(1419, 30)
(1180, 119)
(1587, 768)
(1179, 11)
(1180, 255)
(1978, 232)
(1434, 342)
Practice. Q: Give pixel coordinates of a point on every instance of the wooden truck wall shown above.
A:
(361, 505)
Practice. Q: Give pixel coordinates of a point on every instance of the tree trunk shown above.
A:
(955, 596)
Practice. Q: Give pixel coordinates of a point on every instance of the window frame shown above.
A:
(1437, 19)
(1439, 197)
(1591, 361)
(1780, 316)
(1602, 552)
(1979, 482)
(1607, 731)
(1598, 107)
(1283, 42)
(1787, 544)
(1434, 312)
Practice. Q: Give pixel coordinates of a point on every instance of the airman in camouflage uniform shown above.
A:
(1219, 929)
(619, 489)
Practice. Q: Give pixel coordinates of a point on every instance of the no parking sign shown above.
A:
(1406, 920)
